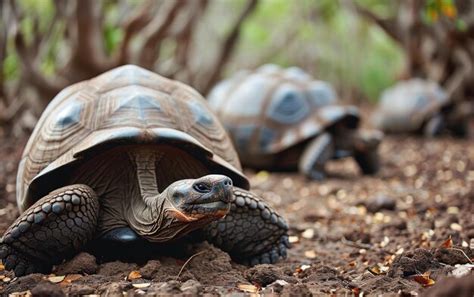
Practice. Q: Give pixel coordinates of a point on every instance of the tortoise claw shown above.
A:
(19, 263)
(277, 252)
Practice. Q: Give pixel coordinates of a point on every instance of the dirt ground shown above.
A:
(351, 235)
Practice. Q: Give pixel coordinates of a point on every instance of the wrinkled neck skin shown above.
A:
(150, 211)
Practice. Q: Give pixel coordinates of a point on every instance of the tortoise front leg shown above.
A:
(252, 232)
(55, 227)
(366, 143)
(434, 126)
(316, 154)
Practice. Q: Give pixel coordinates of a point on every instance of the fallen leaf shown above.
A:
(248, 288)
(356, 291)
(399, 251)
(56, 279)
(308, 233)
(310, 254)
(455, 227)
(378, 269)
(448, 243)
(293, 239)
(2, 267)
(141, 286)
(281, 282)
(20, 294)
(134, 275)
(301, 269)
(69, 279)
(424, 279)
(6, 279)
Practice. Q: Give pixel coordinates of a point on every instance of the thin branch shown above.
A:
(461, 76)
(139, 19)
(187, 261)
(184, 38)
(155, 31)
(48, 87)
(228, 46)
(388, 25)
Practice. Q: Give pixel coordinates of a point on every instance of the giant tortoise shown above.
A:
(421, 106)
(283, 119)
(128, 156)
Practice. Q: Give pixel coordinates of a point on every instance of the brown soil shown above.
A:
(351, 234)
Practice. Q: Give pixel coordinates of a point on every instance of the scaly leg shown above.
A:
(366, 143)
(252, 232)
(316, 154)
(55, 227)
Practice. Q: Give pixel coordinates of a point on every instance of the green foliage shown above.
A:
(329, 41)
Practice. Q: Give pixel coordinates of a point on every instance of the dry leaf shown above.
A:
(134, 275)
(69, 279)
(2, 267)
(6, 279)
(248, 288)
(301, 269)
(378, 269)
(281, 282)
(293, 239)
(141, 286)
(356, 291)
(308, 233)
(447, 244)
(424, 279)
(20, 294)
(455, 227)
(310, 254)
(56, 279)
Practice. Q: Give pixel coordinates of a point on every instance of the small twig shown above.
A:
(464, 254)
(355, 244)
(187, 261)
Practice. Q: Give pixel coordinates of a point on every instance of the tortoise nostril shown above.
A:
(228, 182)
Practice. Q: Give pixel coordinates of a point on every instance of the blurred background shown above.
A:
(361, 47)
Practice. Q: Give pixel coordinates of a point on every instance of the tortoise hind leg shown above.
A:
(55, 227)
(252, 232)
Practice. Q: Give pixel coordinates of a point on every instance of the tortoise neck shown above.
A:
(147, 205)
(145, 166)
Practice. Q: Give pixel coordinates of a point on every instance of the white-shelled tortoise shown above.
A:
(132, 156)
(421, 106)
(283, 119)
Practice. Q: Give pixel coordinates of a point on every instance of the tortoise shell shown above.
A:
(126, 105)
(406, 105)
(271, 109)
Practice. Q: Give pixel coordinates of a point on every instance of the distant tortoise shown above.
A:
(420, 106)
(132, 156)
(283, 119)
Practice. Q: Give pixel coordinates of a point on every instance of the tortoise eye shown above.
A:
(202, 187)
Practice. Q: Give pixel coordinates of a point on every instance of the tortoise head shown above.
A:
(186, 205)
(203, 199)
